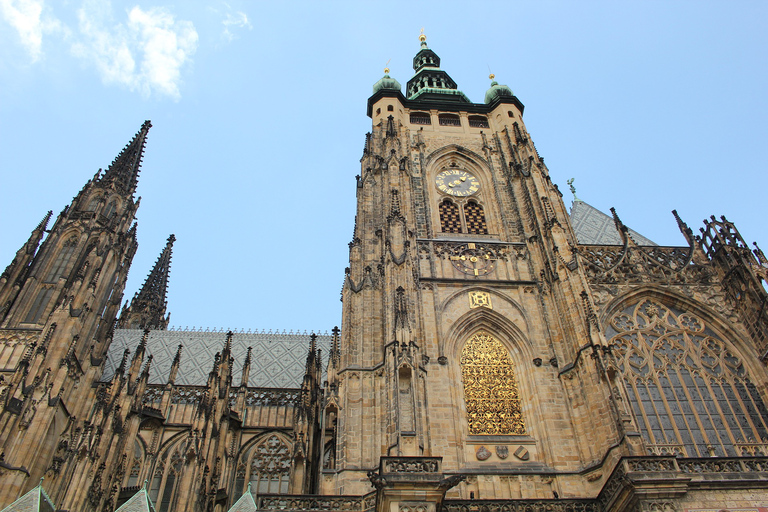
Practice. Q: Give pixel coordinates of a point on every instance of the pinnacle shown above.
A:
(124, 169)
(44, 223)
(156, 285)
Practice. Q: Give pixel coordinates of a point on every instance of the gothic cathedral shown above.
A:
(498, 352)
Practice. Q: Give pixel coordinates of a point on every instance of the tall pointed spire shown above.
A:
(124, 170)
(14, 275)
(147, 309)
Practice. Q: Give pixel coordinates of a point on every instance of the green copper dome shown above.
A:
(386, 82)
(497, 91)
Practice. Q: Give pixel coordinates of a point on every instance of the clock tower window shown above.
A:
(475, 218)
(450, 218)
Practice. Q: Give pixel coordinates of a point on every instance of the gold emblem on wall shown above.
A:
(478, 299)
(490, 387)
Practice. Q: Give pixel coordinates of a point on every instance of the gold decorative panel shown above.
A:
(490, 389)
(479, 299)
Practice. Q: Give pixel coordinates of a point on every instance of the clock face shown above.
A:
(473, 260)
(457, 183)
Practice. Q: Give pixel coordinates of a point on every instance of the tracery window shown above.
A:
(490, 387)
(450, 220)
(267, 467)
(689, 392)
(475, 218)
(271, 466)
(164, 480)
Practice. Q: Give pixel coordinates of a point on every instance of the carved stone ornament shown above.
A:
(502, 452)
(482, 453)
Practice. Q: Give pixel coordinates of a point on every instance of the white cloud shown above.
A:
(145, 54)
(238, 19)
(26, 16)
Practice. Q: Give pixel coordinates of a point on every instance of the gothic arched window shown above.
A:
(689, 392)
(270, 466)
(475, 218)
(490, 388)
(59, 267)
(109, 210)
(138, 456)
(450, 220)
(38, 306)
(92, 205)
(164, 481)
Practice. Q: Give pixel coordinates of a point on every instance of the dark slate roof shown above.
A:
(593, 227)
(139, 502)
(35, 500)
(278, 359)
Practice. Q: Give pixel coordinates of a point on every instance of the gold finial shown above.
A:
(422, 37)
(491, 76)
(386, 67)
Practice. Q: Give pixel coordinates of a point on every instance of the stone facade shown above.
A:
(490, 357)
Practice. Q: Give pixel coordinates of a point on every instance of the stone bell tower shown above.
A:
(469, 345)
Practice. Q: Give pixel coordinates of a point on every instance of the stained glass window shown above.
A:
(688, 390)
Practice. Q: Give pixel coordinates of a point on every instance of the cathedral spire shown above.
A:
(147, 309)
(124, 170)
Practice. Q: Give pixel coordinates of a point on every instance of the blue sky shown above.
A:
(258, 112)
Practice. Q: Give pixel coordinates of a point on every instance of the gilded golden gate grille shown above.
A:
(475, 218)
(490, 389)
(449, 217)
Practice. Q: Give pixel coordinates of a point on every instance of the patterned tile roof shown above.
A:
(278, 359)
(35, 500)
(246, 502)
(139, 502)
(593, 227)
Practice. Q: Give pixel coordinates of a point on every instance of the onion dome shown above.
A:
(387, 83)
(496, 91)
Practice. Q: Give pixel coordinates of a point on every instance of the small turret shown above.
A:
(497, 91)
(386, 82)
